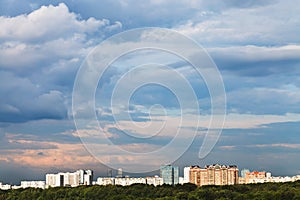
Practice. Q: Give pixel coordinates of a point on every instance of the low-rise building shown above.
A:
(105, 181)
(242, 180)
(266, 177)
(256, 177)
(181, 181)
(129, 181)
(155, 180)
(125, 181)
(33, 184)
(4, 186)
(16, 187)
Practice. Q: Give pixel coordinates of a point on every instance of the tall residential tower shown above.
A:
(170, 174)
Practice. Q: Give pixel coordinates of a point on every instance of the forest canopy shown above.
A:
(274, 191)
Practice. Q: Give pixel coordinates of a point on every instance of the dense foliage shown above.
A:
(274, 191)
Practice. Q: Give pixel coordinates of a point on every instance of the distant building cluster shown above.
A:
(74, 179)
(218, 175)
(24, 184)
(208, 175)
(126, 180)
(248, 177)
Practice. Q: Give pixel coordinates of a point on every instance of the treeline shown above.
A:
(272, 191)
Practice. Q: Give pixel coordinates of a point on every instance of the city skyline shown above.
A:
(43, 45)
(173, 172)
(213, 174)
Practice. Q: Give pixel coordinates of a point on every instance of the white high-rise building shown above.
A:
(88, 177)
(186, 174)
(55, 180)
(71, 179)
(81, 176)
(268, 175)
(120, 173)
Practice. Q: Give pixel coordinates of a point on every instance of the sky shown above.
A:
(45, 46)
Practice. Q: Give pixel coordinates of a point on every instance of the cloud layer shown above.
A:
(39, 55)
(255, 45)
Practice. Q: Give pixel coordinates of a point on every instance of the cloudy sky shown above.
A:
(44, 44)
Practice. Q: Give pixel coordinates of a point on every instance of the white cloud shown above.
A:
(47, 35)
(264, 100)
(39, 55)
(271, 24)
(277, 145)
(251, 53)
(46, 23)
(248, 121)
(40, 52)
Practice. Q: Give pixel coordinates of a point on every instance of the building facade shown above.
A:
(169, 174)
(214, 175)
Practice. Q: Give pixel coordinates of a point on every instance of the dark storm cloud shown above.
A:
(264, 101)
(268, 147)
(122, 137)
(247, 3)
(13, 173)
(275, 133)
(258, 61)
(23, 101)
